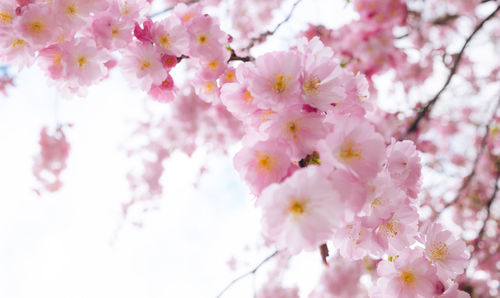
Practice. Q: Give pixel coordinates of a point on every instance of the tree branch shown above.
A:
(488, 212)
(264, 35)
(423, 112)
(156, 14)
(251, 272)
(480, 152)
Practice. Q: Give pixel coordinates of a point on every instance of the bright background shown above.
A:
(74, 243)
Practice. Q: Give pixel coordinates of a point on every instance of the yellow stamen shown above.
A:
(18, 43)
(279, 82)
(165, 41)
(37, 26)
(188, 16)
(71, 9)
(408, 279)
(145, 64)
(202, 39)
(439, 251)
(115, 31)
(265, 162)
(230, 76)
(81, 60)
(311, 85)
(5, 17)
(246, 96)
(349, 151)
(297, 207)
(213, 65)
(292, 128)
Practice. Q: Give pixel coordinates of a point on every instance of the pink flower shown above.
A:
(321, 81)
(50, 59)
(410, 275)
(275, 80)
(205, 37)
(398, 231)
(354, 145)
(261, 164)
(144, 34)
(37, 25)
(72, 13)
(164, 92)
(300, 130)
(355, 241)
(112, 33)
(454, 292)
(403, 163)
(15, 49)
(341, 279)
(83, 62)
(446, 252)
(171, 37)
(212, 66)
(302, 212)
(142, 64)
(383, 199)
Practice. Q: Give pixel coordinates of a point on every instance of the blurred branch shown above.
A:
(488, 212)
(251, 272)
(264, 35)
(443, 20)
(423, 112)
(480, 152)
(156, 14)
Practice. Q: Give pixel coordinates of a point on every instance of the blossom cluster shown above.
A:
(88, 38)
(51, 162)
(322, 173)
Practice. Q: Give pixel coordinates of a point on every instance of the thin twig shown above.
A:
(488, 212)
(480, 152)
(154, 15)
(427, 108)
(251, 272)
(263, 35)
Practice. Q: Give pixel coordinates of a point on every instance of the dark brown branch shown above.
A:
(264, 35)
(443, 20)
(251, 272)
(480, 152)
(324, 252)
(423, 112)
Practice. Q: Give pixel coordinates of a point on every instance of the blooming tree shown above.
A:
(330, 168)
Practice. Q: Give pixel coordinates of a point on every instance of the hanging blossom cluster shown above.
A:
(322, 173)
(51, 161)
(209, 126)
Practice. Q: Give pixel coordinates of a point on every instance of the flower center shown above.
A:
(311, 85)
(408, 279)
(71, 9)
(145, 64)
(5, 17)
(297, 207)
(264, 162)
(280, 82)
(18, 43)
(81, 61)
(349, 151)
(439, 251)
(292, 128)
(36, 26)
